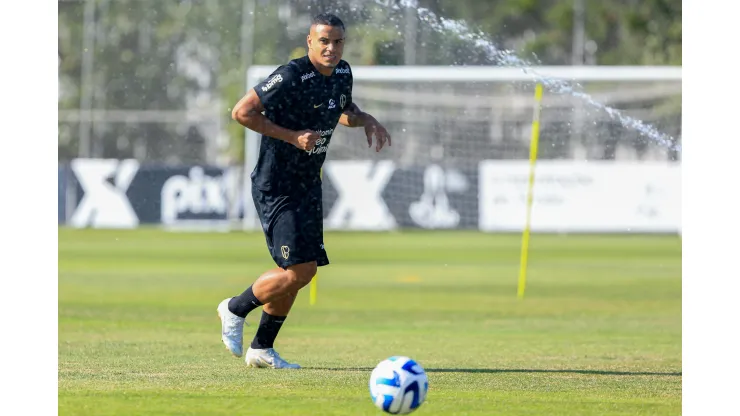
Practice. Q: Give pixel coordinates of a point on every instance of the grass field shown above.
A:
(599, 332)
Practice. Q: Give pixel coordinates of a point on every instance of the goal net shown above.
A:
(457, 132)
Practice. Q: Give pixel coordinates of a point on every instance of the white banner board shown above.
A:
(573, 196)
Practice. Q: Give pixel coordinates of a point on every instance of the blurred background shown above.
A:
(150, 85)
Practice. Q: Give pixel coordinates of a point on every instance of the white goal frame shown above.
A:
(400, 74)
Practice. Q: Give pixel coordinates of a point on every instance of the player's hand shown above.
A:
(381, 135)
(306, 139)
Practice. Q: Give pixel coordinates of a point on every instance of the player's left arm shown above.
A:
(352, 116)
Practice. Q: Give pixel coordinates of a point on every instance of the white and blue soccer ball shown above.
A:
(398, 385)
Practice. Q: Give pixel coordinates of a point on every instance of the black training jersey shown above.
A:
(297, 97)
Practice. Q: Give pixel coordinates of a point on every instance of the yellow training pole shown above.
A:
(312, 291)
(532, 161)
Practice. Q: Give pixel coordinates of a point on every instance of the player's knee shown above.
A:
(301, 274)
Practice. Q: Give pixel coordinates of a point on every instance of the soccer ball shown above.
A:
(398, 385)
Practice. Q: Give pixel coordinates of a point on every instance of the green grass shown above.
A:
(599, 332)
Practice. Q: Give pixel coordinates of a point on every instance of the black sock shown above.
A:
(243, 304)
(267, 331)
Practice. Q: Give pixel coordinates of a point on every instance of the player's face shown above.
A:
(326, 44)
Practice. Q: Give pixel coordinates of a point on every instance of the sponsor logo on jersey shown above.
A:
(323, 133)
(308, 76)
(341, 71)
(322, 144)
(317, 150)
(277, 78)
(342, 101)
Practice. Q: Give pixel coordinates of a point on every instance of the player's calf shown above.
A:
(282, 306)
(279, 283)
(272, 286)
(300, 275)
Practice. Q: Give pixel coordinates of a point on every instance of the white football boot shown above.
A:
(232, 329)
(267, 358)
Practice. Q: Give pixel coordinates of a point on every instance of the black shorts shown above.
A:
(293, 226)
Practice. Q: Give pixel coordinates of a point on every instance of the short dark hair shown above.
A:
(327, 19)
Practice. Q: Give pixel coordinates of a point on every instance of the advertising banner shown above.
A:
(568, 196)
(366, 195)
(123, 194)
(573, 196)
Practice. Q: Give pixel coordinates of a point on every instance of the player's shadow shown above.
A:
(517, 370)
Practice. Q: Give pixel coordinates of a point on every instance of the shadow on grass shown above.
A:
(515, 370)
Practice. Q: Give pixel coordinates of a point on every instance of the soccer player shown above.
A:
(302, 102)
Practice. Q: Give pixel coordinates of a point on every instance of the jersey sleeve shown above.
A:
(273, 90)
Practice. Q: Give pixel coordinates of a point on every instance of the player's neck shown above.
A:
(323, 70)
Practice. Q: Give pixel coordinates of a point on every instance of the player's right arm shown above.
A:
(249, 112)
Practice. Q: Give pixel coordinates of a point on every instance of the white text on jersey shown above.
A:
(277, 78)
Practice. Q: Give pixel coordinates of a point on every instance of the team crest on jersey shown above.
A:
(342, 101)
(332, 104)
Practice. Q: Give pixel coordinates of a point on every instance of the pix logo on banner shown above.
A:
(196, 194)
(104, 183)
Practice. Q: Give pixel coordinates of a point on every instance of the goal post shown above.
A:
(448, 120)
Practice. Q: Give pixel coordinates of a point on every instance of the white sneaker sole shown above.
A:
(258, 362)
